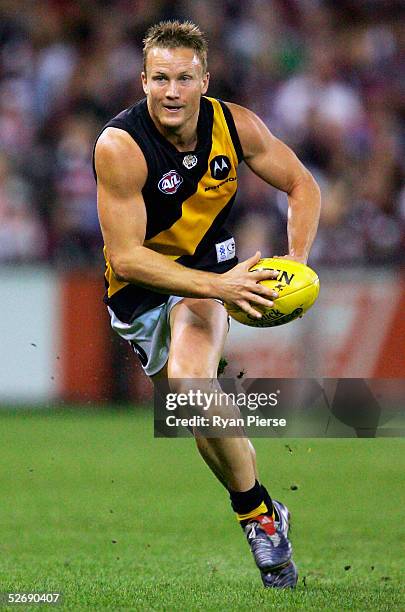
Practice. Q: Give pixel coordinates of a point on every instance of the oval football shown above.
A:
(297, 286)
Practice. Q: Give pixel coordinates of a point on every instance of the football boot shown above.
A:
(271, 548)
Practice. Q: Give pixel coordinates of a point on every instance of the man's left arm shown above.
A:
(275, 163)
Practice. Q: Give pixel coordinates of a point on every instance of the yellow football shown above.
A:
(297, 286)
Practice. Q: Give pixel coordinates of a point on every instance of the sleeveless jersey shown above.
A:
(187, 195)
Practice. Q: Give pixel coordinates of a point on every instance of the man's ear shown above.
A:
(205, 83)
(144, 83)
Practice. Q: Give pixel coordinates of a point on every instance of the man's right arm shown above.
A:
(121, 174)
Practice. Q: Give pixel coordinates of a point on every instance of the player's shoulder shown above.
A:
(117, 155)
(118, 136)
(244, 118)
(115, 144)
(114, 141)
(249, 126)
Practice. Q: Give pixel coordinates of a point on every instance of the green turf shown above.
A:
(93, 506)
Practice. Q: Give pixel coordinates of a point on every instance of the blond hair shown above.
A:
(175, 34)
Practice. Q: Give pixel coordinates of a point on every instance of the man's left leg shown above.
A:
(198, 332)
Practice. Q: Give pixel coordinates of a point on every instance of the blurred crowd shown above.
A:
(327, 77)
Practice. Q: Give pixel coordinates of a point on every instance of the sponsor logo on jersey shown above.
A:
(220, 167)
(230, 179)
(170, 182)
(190, 161)
(225, 250)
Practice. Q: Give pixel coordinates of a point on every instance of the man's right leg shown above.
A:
(203, 444)
(212, 461)
(198, 331)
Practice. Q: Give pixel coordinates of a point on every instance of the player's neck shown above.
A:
(182, 141)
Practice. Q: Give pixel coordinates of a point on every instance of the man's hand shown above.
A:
(243, 289)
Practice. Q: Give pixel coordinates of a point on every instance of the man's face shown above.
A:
(174, 83)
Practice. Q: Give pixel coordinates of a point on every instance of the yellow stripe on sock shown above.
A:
(262, 509)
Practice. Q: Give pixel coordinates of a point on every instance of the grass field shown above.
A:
(95, 507)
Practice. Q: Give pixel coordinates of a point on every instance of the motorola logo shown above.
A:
(220, 167)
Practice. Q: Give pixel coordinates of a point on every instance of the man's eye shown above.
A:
(159, 77)
(185, 77)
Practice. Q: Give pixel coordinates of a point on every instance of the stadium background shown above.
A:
(79, 462)
(326, 77)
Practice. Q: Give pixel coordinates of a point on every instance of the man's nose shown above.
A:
(172, 90)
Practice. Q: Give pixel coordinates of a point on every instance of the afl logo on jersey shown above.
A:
(220, 167)
(170, 182)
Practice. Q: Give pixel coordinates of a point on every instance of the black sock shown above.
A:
(268, 502)
(246, 501)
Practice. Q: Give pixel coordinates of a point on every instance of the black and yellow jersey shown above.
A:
(187, 195)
